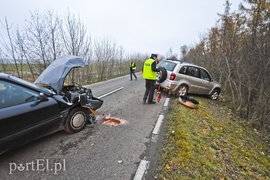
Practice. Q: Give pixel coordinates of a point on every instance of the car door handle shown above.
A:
(35, 103)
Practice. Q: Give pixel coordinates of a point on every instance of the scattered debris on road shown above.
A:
(109, 120)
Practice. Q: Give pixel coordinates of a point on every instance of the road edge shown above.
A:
(148, 163)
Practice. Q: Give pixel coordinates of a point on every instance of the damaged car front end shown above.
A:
(74, 95)
(29, 111)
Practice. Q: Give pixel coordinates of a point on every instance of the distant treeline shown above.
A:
(25, 52)
(238, 54)
(236, 51)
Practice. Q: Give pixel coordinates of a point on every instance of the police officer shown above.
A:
(149, 74)
(132, 67)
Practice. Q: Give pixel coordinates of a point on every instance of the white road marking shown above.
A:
(166, 102)
(107, 94)
(158, 124)
(144, 164)
(141, 170)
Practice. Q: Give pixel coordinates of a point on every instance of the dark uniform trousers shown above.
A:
(150, 88)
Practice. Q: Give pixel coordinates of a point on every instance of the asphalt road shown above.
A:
(100, 151)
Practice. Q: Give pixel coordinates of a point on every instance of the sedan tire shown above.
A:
(76, 120)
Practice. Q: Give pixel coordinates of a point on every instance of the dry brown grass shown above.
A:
(212, 143)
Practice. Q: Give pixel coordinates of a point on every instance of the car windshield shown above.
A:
(167, 65)
(31, 84)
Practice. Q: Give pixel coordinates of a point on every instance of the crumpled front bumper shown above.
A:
(92, 102)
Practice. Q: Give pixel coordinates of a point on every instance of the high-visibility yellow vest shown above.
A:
(132, 65)
(147, 70)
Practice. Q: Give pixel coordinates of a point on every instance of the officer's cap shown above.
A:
(154, 55)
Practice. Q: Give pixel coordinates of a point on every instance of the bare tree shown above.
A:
(183, 50)
(105, 51)
(74, 36)
(10, 47)
(4, 62)
(89, 74)
(23, 56)
(38, 39)
(54, 25)
(257, 53)
(238, 52)
(121, 66)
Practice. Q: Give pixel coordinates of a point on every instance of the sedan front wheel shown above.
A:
(76, 120)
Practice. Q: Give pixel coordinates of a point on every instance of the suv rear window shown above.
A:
(167, 65)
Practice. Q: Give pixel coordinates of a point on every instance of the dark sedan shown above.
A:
(29, 111)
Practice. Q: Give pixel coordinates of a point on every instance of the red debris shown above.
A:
(159, 96)
(111, 121)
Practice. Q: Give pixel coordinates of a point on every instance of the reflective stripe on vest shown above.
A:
(147, 70)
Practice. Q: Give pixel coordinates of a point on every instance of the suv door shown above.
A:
(206, 84)
(199, 81)
(23, 116)
(194, 81)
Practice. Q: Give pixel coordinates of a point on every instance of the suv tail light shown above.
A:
(172, 76)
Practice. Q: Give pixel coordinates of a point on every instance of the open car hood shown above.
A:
(54, 75)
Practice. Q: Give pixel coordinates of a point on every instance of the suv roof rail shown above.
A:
(174, 59)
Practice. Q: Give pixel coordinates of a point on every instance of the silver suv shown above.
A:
(180, 78)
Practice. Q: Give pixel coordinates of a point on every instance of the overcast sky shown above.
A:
(145, 26)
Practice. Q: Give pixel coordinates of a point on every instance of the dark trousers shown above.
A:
(149, 91)
(132, 72)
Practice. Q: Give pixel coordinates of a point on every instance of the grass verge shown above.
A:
(211, 143)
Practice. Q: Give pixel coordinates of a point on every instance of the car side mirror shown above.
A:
(42, 97)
